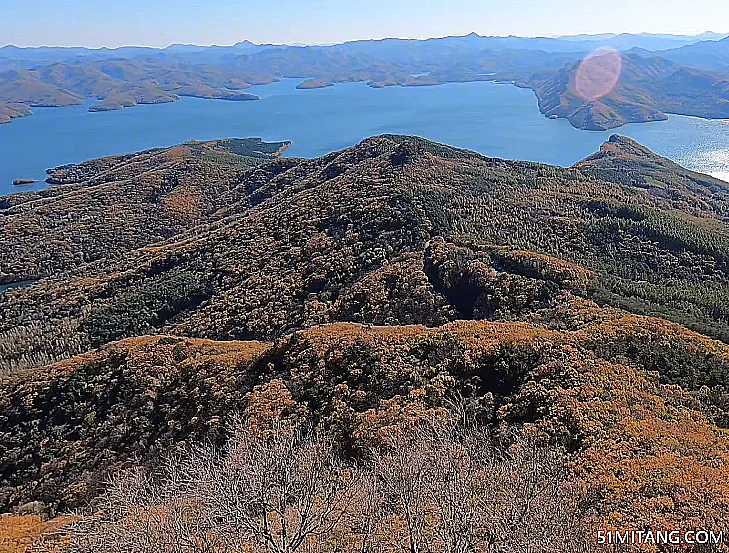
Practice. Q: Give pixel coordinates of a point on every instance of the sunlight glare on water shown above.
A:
(715, 163)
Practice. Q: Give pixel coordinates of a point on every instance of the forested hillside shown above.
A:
(592, 381)
(395, 230)
(361, 292)
(112, 205)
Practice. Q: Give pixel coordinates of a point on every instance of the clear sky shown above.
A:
(96, 23)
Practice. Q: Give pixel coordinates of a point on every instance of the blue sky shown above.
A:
(112, 23)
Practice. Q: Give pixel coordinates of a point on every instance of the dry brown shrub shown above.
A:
(442, 487)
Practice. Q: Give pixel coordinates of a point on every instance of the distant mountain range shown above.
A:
(585, 42)
(662, 73)
(711, 55)
(647, 41)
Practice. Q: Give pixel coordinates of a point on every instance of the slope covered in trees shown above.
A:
(395, 230)
(112, 205)
(362, 292)
(588, 381)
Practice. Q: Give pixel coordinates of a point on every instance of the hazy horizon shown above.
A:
(139, 45)
(160, 23)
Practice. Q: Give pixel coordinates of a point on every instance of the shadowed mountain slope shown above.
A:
(706, 55)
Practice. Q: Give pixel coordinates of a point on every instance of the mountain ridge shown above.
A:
(154, 195)
(401, 227)
(707, 36)
(363, 292)
(343, 374)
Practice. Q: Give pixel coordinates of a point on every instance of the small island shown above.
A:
(210, 93)
(21, 182)
(116, 102)
(314, 83)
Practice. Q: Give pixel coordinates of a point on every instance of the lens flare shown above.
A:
(598, 74)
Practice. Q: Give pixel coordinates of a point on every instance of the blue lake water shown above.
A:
(15, 285)
(494, 119)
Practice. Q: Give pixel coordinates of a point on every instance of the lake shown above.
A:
(15, 285)
(497, 120)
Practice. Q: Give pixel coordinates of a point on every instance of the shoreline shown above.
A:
(101, 107)
(232, 122)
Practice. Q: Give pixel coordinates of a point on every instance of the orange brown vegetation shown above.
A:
(490, 276)
(21, 534)
(183, 203)
(17, 533)
(648, 449)
(115, 204)
(396, 231)
(652, 452)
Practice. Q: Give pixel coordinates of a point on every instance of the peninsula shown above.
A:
(647, 89)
